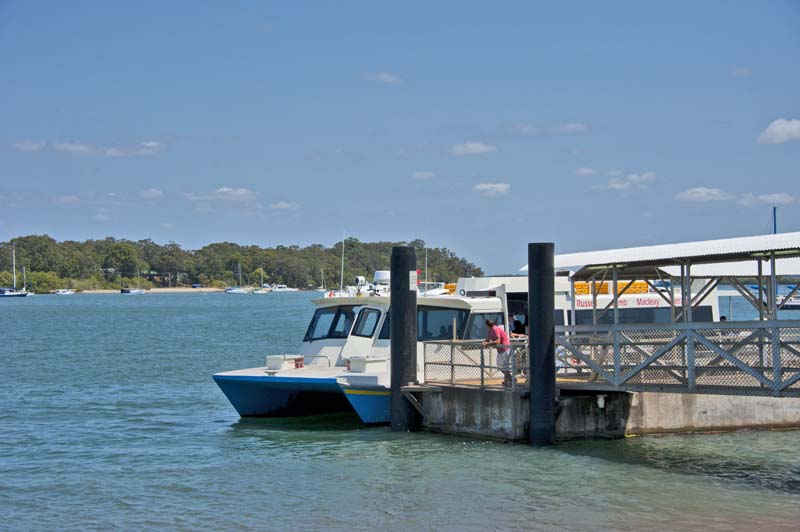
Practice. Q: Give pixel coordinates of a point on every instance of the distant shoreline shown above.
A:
(157, 291)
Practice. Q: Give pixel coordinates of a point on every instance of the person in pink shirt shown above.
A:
(497, 336)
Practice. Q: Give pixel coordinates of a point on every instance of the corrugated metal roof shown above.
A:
(708, 251)
(783, 267)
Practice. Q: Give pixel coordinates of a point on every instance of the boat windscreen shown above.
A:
(330, 322)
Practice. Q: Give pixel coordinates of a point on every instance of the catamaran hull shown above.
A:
(257, 396)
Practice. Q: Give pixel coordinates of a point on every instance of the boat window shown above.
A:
(343, 322)
(433, 323)
(436, 323)
(476, 327)
(385, 334)
(330, 322)
(366, 323)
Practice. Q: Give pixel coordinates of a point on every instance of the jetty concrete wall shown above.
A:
(504, 415)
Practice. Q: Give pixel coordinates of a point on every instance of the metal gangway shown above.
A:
(729, 358)
(759, 358)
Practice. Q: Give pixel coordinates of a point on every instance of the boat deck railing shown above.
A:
(728, 358)
(469, 363)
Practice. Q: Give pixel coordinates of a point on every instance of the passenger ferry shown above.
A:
(343, 362)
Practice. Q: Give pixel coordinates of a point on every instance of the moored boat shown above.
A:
(238, 289)
(343, 362)
(283, 288)
(13, 291)
(132, 291)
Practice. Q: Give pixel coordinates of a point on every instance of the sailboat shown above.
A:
(238, 288)
(13, 292)
(262, 289)
(138, 291)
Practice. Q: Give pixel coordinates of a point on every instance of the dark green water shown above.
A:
(109, 419)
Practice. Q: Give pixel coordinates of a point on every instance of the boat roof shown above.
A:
(467, 303)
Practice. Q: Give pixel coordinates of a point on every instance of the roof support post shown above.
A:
(689, 291)
(760, 290)
(572, 298)
(672, 297)
(615, 296)
(773, 289)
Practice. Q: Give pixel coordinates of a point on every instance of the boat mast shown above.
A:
(14, 266)
(240, 273)
(341, 276)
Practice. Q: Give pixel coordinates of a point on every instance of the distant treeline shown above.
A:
(111, 263)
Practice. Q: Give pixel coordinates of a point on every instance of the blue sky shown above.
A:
(472, 126)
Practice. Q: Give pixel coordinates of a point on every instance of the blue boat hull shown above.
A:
(256, 396)
(276, 397)
(372, 405)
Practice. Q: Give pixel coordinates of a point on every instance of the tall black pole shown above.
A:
(403, 331)
(542, 376)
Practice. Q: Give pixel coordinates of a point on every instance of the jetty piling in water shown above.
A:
(403, 332)
(542, 374)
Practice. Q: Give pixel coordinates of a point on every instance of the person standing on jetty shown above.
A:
(497, 336)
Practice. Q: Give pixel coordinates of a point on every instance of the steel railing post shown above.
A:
(513, 356)
(452, 365)
(617, 358)
(690, 361)
(777, 368)
(483, 369)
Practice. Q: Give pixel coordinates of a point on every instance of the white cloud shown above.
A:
(493, 189)
(100, 217)
(702, 195)
(572, 127)
(235, 194)
(383, 77)
(150, 193)
(472, 148)
(638, 179)
(613, 173)
(585, 171)
(423, 175)
(778, 198)
(148, 147)
(284, 206)
(74, 147)
(629, 182)
(29, 145)
(525, 129)
(69, 199)
(780, 131)
(243, 195)
(741, 72)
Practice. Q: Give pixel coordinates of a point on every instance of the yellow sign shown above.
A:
(637, 287)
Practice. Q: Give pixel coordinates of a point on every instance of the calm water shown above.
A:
(110, 420)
